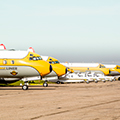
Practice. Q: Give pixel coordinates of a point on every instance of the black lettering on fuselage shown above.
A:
(11, 68)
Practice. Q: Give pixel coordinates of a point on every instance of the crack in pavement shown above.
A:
(64, 111)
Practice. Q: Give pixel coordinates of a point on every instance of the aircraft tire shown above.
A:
(45, 84)
(96, 81)
(24, 87)
(87, 82)
(58, 82)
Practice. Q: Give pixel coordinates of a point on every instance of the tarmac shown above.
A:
(78, 101)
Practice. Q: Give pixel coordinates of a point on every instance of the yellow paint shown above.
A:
(57, 67)
(100, 67)
(117, 68)
(70, 70)
(2, 68)
(41, 66)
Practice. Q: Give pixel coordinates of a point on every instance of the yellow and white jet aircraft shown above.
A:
(106, 69)
(114, 69)
(58, 69)
(16, 65)
(83, 67)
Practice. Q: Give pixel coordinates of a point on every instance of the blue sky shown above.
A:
(70, 30)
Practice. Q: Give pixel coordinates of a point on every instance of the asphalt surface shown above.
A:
(78, 101)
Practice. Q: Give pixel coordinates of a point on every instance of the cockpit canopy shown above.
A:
(102, 66)
(118, 67)
(35, 58)
(51, 60)
(54, 62)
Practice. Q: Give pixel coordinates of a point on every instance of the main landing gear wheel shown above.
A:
(58, 82)
(87, 82)
(24, 87)
(45, 84)
(96, 81)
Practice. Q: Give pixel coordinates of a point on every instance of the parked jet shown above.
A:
(99, 71)
(16, 65)
(83, 67)
(58, 69)
(114, 69)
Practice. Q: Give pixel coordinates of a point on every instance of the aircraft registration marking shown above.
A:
(11, 68)
(8, 68)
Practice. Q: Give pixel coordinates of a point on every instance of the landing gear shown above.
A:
(96, 81)
(58, 82)
(104, 81)
(45, 84)
(87, 82)
(24, 87)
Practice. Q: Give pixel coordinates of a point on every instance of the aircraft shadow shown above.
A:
(30, 88)
(27, 90)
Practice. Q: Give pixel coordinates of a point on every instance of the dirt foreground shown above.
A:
(79, 101)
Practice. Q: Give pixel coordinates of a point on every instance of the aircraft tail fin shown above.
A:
(2, 46)
(31, 49)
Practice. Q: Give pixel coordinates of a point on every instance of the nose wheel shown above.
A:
(58, 82)
(45, 84)
(24, 87)
(96, 81)
(87, 82)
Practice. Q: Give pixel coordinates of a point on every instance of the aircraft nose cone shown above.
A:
(66, 70)
(50, 68)
(114, 73)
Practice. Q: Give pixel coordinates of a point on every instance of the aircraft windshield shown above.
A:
(118, 67)
(39, 58)
(54, 62)
(35, 58)
(102, 66)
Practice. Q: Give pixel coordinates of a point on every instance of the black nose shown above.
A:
(66, 70)
(109, 71)
(50, 68)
